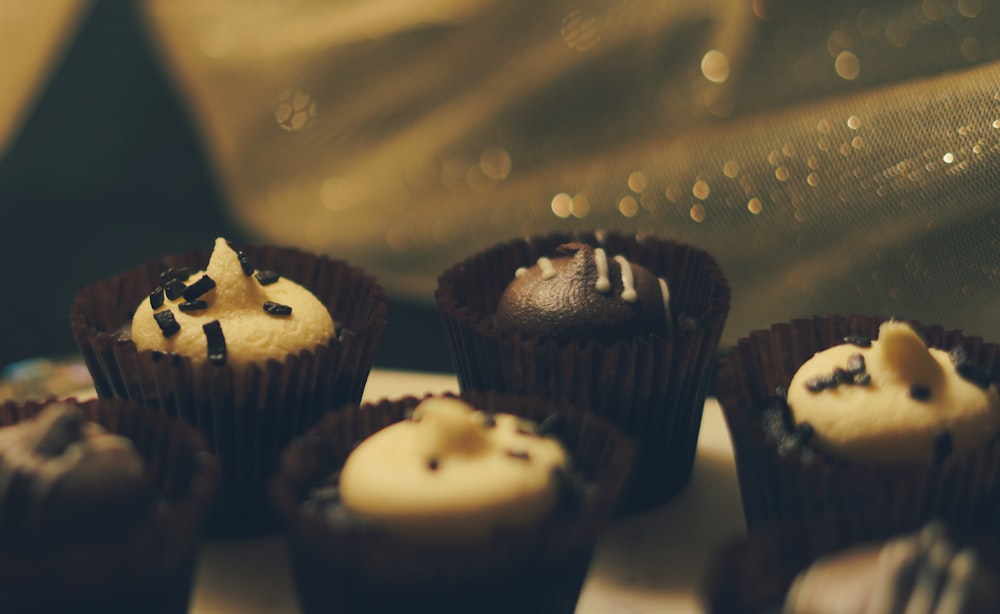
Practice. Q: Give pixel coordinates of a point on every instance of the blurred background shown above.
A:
(834, 157)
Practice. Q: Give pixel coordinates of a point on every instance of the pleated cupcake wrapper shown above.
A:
(879, 499)
(248, 415)
(148, 569)
(337, 568)
(751, 574)
(651, 388)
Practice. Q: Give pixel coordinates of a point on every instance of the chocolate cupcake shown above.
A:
(387, 545)
(251, 344)
(626, 326)
(101, 507)
(816, 569)
(919, 442)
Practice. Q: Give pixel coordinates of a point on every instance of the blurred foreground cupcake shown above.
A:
(101, 507)
(478, 503)
(885, 422)
(250, 344)
(626, 326)
(801, 569)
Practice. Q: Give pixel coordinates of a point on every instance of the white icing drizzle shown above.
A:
(603, 284)
(628, 281)
(548, 271)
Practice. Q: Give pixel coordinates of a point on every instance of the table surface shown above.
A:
(646, 563)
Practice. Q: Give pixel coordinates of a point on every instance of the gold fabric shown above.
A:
(835, 157)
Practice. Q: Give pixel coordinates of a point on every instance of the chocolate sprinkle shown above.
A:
(179, 273)
(861, 342)
(919, 392)
(174, 288)
(216, 342)
(156, 298)
(489, 420)
(266, 278)
(855, 364)
(277, 309)
(192, 305)
(432, 464)
(165, 320)
(198, 288)
(821, 382)
(968, 371)
(519, 454)
(942, 445)
(245, 263)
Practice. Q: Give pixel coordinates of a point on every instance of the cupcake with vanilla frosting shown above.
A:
(895, 423)
(627, 326)
(484, 502)
(251, 344)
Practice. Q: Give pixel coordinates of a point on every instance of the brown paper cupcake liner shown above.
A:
(147, 569)
(752, 573)
(248, 415)
(778, 488)
(652, 388)
(337, 568)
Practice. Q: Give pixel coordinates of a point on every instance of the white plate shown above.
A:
(647, 563)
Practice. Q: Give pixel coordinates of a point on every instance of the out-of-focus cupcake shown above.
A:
(251, 344)
(478, 503)
(102, 505)
(816, 568)
(627, 326)
(893, 423)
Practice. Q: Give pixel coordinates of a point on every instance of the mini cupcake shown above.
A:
(450, 504)
(808, 569)
(626, 326)
(101, 507)
(893, 423)
(249, 344)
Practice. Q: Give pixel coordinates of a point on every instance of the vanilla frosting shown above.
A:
(452, 473)
(893, 399)
(230, 314)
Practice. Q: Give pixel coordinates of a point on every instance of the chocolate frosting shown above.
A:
(923, 572)
(62, 477)
(585, 294)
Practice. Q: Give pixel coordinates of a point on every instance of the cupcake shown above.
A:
(892, 422)
(805, 570)
(249, 344)
(626, 326)
(101, 507)
(478, 503)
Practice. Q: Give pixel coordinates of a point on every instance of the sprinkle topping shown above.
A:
(216, 342)
(266, 278)
(156, 298)
(277, 309)
(198, 288)
(174, 289)
(165, 320)
(192, 306)
(245, 263)
(179, 273)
